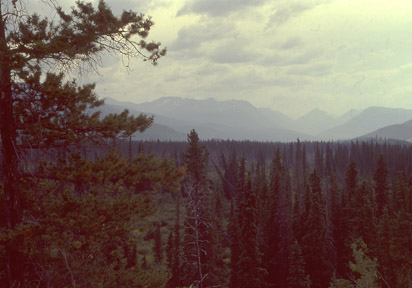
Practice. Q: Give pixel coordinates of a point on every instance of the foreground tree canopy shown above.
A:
(64, 213)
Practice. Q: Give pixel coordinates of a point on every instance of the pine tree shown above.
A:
(34, 111)
(96, 230)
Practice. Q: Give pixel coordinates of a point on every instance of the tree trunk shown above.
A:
(13, 213)
(197, 243)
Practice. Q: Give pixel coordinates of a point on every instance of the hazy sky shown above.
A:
(286, 55)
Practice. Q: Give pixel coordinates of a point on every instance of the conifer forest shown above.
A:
(85, 205)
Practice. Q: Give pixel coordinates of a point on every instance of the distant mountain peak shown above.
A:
(371, 119)
(168, 100)
(350, 113)
(380, 109)
(316, 112)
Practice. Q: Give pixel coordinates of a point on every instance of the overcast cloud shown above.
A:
(291, 56)
(216, 8)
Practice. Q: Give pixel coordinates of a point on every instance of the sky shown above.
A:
(291, 56)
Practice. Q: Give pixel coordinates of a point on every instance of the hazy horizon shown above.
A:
(273, 109)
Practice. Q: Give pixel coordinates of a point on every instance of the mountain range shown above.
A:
(240, 120)
(398, 131)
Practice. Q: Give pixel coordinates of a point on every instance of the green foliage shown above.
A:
(196, 160)
(333, 204)
(235, 248)
(316, 237)
(249, 269)
(158, 246)
(72, 239)
(81, 34)
(340, 283)
(276, 223)
(198, 218)
(169, 250)
(364, 268)
(202, 252)
(174, 251)
(53, 114)
(297, 277)
(230, 175)
(73, 235)
(351, 181)
(143, 173)
(38, 111)
(380, 178)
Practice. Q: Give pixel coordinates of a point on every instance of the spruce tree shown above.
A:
(235, 248)
(218, 268)
(329, 167)
(200, 235)
(351, 182)
(297, 276)
(249, 262)
(276, 224)
(158, 246)
(319, 162)
(235, 224)
(196, 157)
(230, 175)
(317, 244)
(241, 179)
(342, 222)
(385, 244)
(381, 186)
(362, 215)
(174, 252)
(299, 175)
(169, 251)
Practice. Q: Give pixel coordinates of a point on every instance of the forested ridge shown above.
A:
(303, 214)
(253, 214)
(219, 214)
